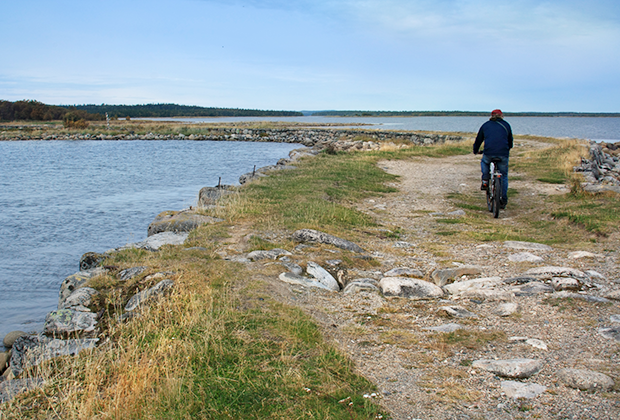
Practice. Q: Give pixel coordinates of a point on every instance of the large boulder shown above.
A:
(10, 338)
(91, 260)
(31, 350)
(409, 288)
(179, 221)
(208, 196)
(10, 389)
(314, 236)
(514, 368)
(75, 281)
(585, 380)
(131, 272)
(68, 321)
(80, 299)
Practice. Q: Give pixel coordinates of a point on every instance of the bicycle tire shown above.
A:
(489, 198)
(497, 188)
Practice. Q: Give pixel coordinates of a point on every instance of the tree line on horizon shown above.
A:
(32, 110)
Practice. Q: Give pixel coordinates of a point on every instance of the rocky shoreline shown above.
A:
(73, 327)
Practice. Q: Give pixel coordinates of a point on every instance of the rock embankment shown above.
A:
(307, 137)
(601, 172)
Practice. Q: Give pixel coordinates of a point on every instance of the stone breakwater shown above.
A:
(307, 137)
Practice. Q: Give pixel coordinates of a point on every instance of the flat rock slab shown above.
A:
(481, 283)
(10, 389)
(409, 288)
(506, 309)
(322, 276)
(586, 380)
(441, 276)
(153, 243)
(525, 257)
(296, 279)
(549, 272)
(175, 221)
(271, 254)
(612, 333)
(209, 196)
(587, 298)
(148, 295)
(582, 254)
(531, 289)
(457, 312)
(516, 390)
(314, 236)
(532, 246)
(445, 328)
(514, 368)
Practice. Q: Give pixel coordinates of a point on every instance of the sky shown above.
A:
(380, 55)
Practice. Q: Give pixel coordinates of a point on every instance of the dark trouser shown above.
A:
(502, 165)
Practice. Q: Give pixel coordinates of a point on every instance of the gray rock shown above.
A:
(514, 368)
(549, 272)
(599, 189)
(314, 236)
(613, 295)
(582, 254)
(177, 222)
(536, 343)
(404, 272)
(441, 276)
(587, 298)
(271, 254)
(612, 333)
(403, 244)
(457, 312)
(80, 299)
(532, 288)
(519, 280)
(612, 318)
(291, 278)
(477, 284)
(11, 389)
(586, 380)
(357, 287)
(293, 268)
(532, 246)
(10, 338)
(154, 242)
(517, 390)
(525, 257)
(130, 273)
(4, 359)
(565, 283)
(91, 260)
(445, 328)
(209, 196)
(409, 288)
(322, 276)
(31, 350)
(506, 309)
(67, 321)
(71, 284)
(148, 295)
(456, 213)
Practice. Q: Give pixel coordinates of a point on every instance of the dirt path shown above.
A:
(424, 374)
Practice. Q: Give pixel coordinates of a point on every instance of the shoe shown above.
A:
(502, 205)
(484, 186)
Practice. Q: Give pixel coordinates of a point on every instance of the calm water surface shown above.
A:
(597, 129)
(60, 199)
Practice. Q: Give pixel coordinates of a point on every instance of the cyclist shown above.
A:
(497, 137)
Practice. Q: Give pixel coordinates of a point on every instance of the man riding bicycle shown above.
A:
(497, 137)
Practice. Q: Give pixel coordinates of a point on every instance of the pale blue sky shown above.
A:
(312, 55)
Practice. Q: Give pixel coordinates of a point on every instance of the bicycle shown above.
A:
(494, 189)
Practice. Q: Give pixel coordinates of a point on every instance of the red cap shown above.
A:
(497, 112)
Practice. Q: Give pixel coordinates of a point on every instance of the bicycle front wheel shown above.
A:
(497, 188)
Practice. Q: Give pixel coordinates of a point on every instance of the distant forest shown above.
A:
(455, 114)
(174, 110)
(37, 111)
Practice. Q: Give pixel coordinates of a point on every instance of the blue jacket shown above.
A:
(497, 138)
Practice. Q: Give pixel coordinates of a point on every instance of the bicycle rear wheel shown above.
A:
(497, 188)
(489, 198)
